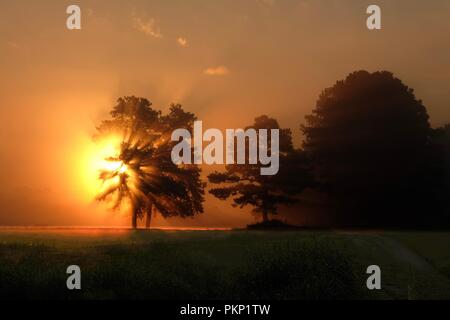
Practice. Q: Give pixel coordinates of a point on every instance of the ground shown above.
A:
(119, 263)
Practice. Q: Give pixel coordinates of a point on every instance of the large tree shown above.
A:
(245, 185)
(369, 140)
(147, 178)
(441, 166)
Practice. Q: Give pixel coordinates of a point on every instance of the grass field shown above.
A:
(124, 264)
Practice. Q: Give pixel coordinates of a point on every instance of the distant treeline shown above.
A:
(368, 150)
(369, 159)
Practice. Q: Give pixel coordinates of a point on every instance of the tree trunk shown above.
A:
(134, 218)
(265, 215)
(148, 219)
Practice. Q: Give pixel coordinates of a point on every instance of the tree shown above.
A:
(440, 161)
(441, 139)
(369, 140)
(246, 186)
(146, 177)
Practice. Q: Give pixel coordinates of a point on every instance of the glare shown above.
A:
(115, 166)
(93, 160)
(123, 168)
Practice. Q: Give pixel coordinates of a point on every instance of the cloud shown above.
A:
(12, 45)
(182, 42)
(148, 27)
(217, 71)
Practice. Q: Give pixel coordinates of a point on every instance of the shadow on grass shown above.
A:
(297, 270)
(164, 270)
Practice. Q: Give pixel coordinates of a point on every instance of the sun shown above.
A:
(115, 166)
(94, 159)
(123, 168)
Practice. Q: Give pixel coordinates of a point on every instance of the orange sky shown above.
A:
(227, 61)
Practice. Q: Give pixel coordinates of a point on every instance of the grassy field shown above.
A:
(124, 264)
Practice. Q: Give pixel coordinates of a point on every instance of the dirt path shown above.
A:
(406, 274)
(407, 256)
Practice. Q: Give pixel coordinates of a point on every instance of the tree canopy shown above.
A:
(152, 182)
(245, 185)
(369, 140)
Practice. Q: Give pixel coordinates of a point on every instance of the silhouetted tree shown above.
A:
(151, 181)
(440, 162)
(441, 138)
(246, 186)
(369, 140)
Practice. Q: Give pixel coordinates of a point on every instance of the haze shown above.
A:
(227, 61)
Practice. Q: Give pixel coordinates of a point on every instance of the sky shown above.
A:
(226, 61)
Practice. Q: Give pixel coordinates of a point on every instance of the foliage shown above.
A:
(246, 186)
(152, 181)
(369, 139)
